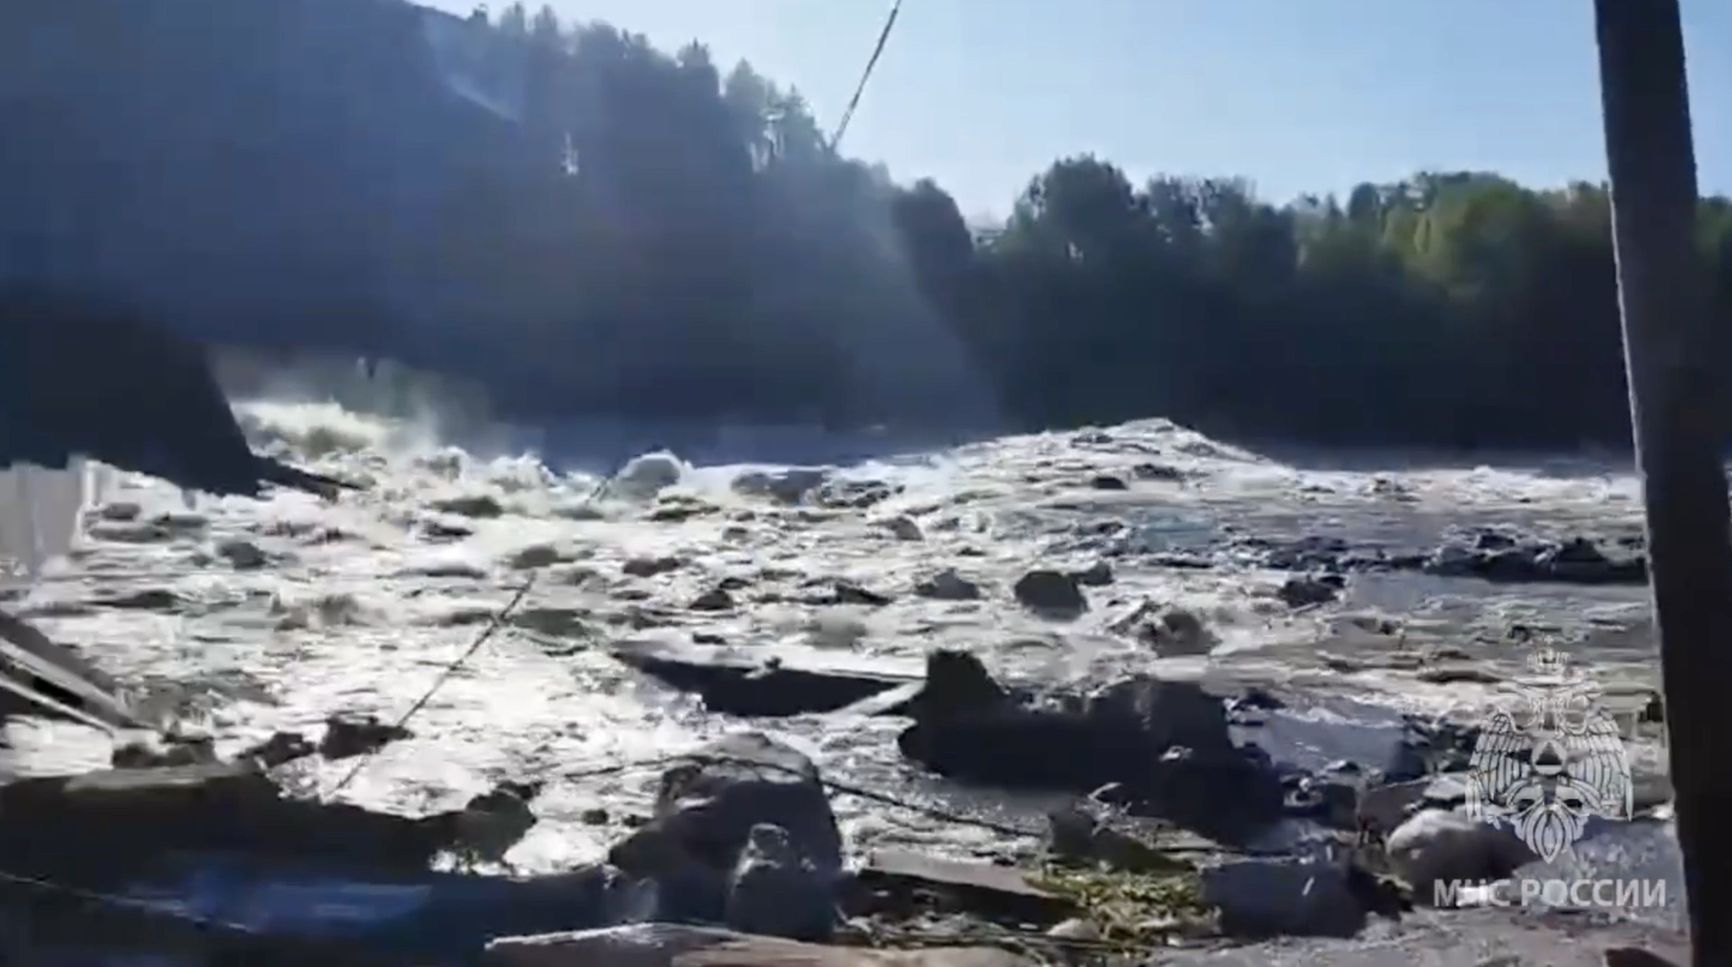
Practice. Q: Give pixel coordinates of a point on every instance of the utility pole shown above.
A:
(1679, 420)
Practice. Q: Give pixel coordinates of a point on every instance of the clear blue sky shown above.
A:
(1297, 95)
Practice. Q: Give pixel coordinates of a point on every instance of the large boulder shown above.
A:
(776, 892)
(947, 585)
(704, 815)
(1264, 898)
(1169, 713)
(1051, 593)
(956, 684)
(1438, 845)
(1224, 794)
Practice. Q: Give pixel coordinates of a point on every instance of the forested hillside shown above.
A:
(590, 225)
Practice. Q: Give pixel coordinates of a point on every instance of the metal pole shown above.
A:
(1679, 422)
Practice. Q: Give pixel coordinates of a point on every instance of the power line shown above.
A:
(474, 646)
(866, 75)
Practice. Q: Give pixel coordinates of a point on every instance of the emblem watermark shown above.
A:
(1543, 766)
(1550, 761)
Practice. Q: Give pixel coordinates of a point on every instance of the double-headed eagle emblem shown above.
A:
(1553, 759)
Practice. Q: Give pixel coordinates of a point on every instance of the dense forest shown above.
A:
(589, 225)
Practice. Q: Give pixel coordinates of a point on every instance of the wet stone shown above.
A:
(1097, 575)
(1050, 593)
(152, 599)
(119, 510)
(242, 555)
(776, 892)
(280, 748)
(537, 555)
(849, 593)
(715, 599)
(737, 686)
(479, 506)
(647, 567)
(1300, 592)
(947, 585)
(345, 737)
(704, 814)
(445, 529)
(902, 528)
(1266, 898)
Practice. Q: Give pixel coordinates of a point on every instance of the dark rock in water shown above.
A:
(1097, 575)
(1498, 557)
(1075, 836)
(674, 509)
(448, 568)
(445, 529)
(775, 892)
(1456, 674)
(152, 599)
(736, 686)
(1134, 734)
(352, 737)
(279, 748)
(1158, 471)
(1260, 700)
(1430, 747)
(242, 555)
(849, 593)
(956, 684)
(1310, 553)
(119, 510)
(1580, 561)
(1053, 750)
(1654, 710)
(1108, 482)
(1172, 632)
(985, 890)
(715, 599)
(1051, 593)
(1182, 562)
(1225, 795)
(1299, 592)
(539, 555)
(1332, 802)
(1167, 713)
(947, 585)
(480, 506)
(1490, 540)
(146, 755)
(858, 494)
(704, 814)
(491, 824)
(552, 622)
(901, 527)
(130, 815)
(649, 567)
(594, 817)
(1266, 898)
(1441, 845)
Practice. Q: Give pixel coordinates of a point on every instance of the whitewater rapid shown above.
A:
(356, 606)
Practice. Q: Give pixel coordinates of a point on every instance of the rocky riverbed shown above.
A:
(1132, 625)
